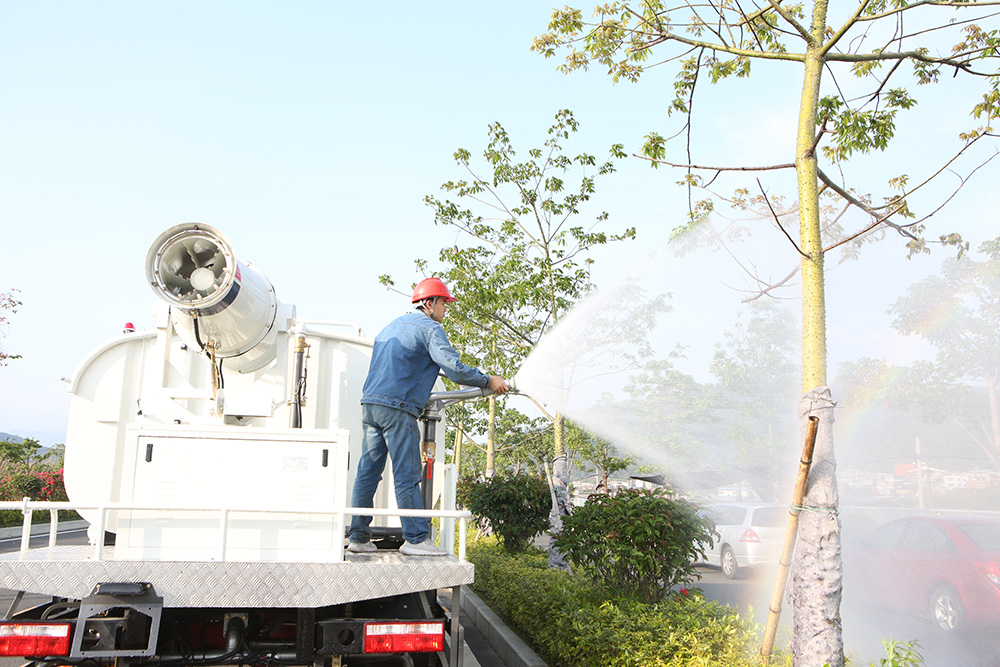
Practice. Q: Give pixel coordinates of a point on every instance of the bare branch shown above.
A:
(952, 61)
(819, 136)
(771, 288)
(944, 167)
(848, 24)
(864, 207)
(790, 165)
(932, 3)
(765, 55)
(949, 25)
(776, 6)
(749, 18)
(688, 126)
(777, 221)
(749, 25)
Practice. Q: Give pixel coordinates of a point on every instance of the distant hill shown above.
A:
(11, 438)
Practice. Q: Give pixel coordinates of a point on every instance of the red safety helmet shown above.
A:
(429, 288)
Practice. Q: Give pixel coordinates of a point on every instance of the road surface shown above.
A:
(865, 627)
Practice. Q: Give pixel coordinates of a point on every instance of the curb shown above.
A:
(510, 647)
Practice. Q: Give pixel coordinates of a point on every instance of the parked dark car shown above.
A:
(946, 569)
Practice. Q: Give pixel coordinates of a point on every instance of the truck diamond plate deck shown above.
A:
(72, 571)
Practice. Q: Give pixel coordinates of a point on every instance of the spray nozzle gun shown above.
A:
(438, 401)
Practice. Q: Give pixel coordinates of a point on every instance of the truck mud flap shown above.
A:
(118, 619)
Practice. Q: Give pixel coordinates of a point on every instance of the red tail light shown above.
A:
(399, 637)
(992, 572)
(749, 535)
(35, 639)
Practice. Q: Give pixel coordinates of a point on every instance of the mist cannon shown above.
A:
(218, 304)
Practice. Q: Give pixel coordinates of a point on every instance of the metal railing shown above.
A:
(28, 507)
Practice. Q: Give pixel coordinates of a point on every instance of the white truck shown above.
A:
(213, 458)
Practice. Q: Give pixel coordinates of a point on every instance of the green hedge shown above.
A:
(566, 620)
(11, 518)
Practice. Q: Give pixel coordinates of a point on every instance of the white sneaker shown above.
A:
(362, 547)
(425, 548)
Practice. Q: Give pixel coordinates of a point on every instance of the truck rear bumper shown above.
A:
(72, 572)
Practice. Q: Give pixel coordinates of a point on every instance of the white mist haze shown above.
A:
(672, 364)
(616, 365)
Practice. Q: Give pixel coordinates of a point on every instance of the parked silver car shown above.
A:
(746, 535)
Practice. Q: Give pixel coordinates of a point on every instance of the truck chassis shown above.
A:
(356, 609)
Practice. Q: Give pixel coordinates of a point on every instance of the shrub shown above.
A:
(567, 621)
(564, 618)
(45, 485)
(514, 506)
(19, 485)
(636, 543)
(901, 654)
(51, 485)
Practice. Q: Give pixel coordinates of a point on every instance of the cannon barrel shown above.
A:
(217, 303)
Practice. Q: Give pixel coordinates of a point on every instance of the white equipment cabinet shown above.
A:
(232, 468)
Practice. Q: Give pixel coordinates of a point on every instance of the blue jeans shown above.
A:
(391, 432)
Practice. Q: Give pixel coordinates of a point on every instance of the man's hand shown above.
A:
(498, 385)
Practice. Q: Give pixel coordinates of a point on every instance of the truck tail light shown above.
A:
(403, 637)
(750, 535)
(34, 639)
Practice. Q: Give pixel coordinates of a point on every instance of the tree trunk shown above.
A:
(457, 456)
(817, 636)
(991, 391)
(560, 491)
(491, 430)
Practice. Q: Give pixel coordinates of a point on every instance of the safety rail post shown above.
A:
(339, 520)
(448, 502)
(25, 524)
(223, 533)
(53, 526)
(102, 522)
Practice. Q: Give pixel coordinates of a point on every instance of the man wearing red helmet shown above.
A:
(406, 360)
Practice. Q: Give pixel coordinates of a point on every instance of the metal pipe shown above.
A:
(299, 381)
(791, 530)
(442, 399)
(428, 452)
(429, 417)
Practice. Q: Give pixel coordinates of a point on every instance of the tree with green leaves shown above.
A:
(8, 303)
(958, 312)
(880, 44)
(524, 256)
(601, 454)
(755, 371)
(673, 411)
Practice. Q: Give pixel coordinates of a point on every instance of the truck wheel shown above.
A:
(946, 609)
(728, 561)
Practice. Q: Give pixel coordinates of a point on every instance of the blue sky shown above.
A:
(309, 132)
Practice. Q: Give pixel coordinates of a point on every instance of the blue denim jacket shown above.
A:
(408, 354)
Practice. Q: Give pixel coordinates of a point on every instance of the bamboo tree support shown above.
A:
(791, 529)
